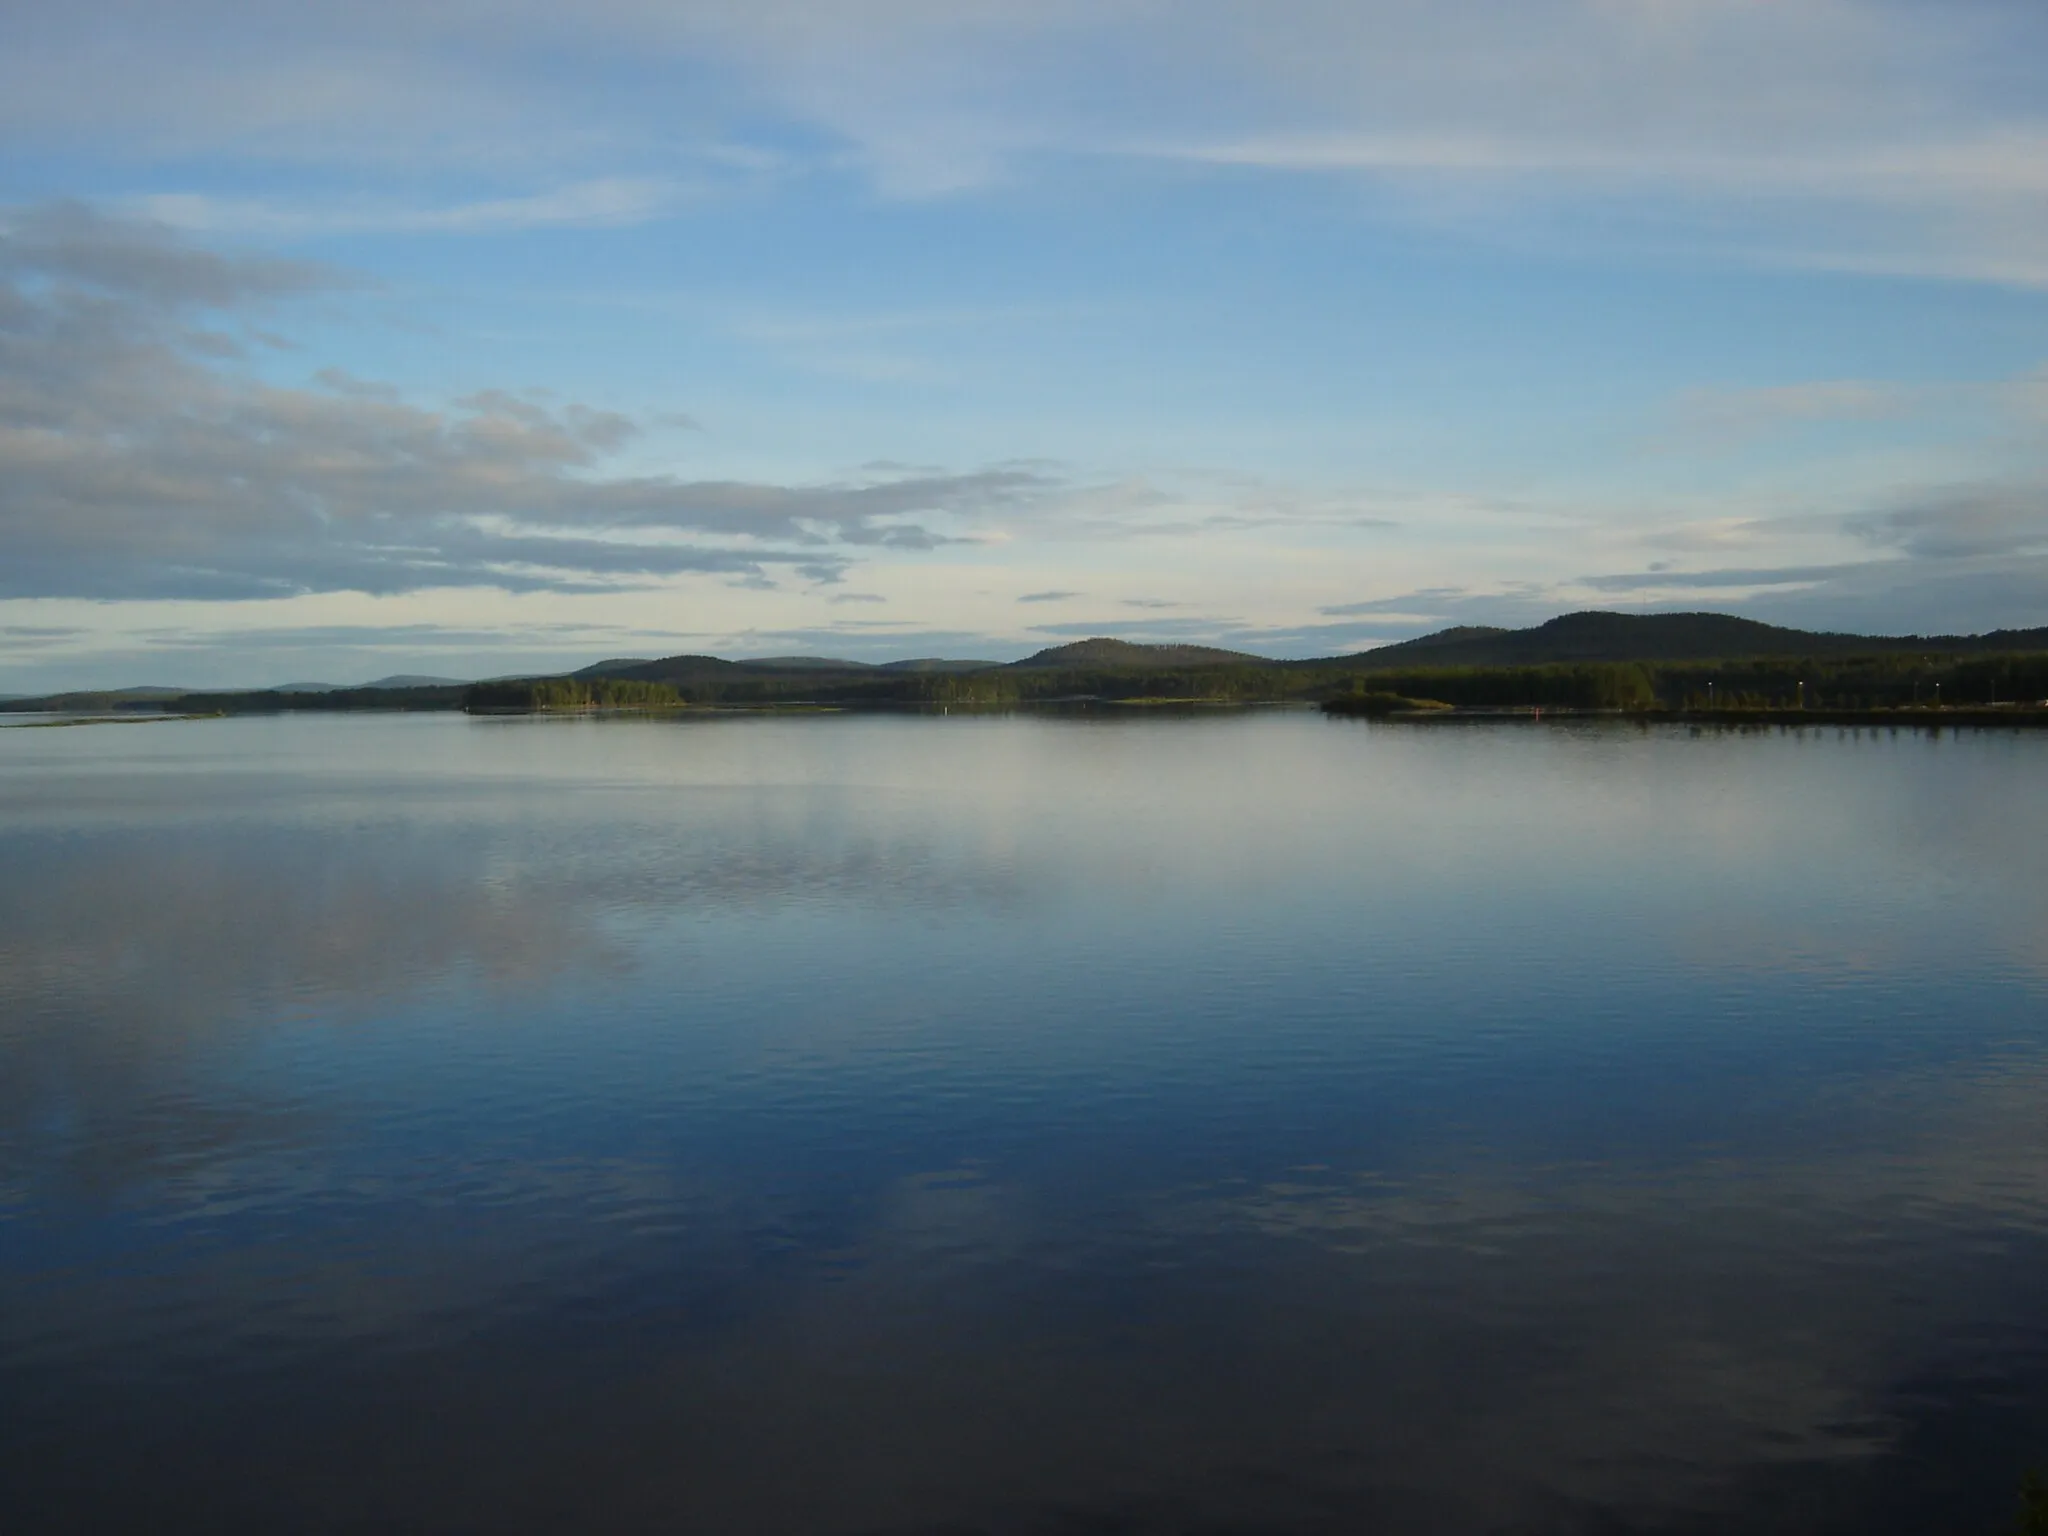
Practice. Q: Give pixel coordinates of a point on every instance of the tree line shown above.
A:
(547, 695)
(1882, 680)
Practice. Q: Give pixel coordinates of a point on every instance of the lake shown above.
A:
(1228, 1121)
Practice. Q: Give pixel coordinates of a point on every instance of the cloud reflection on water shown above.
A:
(886, 1126)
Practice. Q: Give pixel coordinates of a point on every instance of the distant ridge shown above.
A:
(140, 691)
(1591, 636)
(1104, 652)
(667, 669)
(1595, 636)
(687, 669)
(805, 664)
(1666, 644)
(396, 680)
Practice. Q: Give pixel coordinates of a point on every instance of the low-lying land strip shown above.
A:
(1681, 666)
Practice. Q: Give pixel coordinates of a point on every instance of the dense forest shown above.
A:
(1608, 685)
(242, 702)
(553, 694)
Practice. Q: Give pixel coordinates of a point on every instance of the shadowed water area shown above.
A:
(1228, 1122)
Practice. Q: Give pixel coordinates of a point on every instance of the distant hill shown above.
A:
(1573, 637)
(1617, 637)
(686, 670)
(101, 698)
(841, 664)
(805, 664)
(1675, 651)
(667, 669)
(115, 695)
(396, 680)
(1102, 652)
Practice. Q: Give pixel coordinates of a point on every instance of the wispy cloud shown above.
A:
(603, 202)
(1939, 560)
(137, 459)
(1734, 578)
(1728, 416)
(1968, 210)
(1963, 522)
(1736, 413)
(19, 638)
(1426, 601)
(1179, 629)
(1877, 136)
(141, 263)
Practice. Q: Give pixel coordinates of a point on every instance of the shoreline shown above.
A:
(2013, 716)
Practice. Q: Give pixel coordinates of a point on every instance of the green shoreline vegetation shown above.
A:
(1671, 666)
(559, 694)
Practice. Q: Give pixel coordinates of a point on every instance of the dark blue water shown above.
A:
(1225, 1123)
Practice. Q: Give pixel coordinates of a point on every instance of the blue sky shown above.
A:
(469, 338)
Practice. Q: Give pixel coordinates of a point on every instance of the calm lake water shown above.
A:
(1233, 1122)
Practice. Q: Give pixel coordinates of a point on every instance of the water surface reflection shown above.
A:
(1243, 1123)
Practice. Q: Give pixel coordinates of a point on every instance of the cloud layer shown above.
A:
(140, 455)
(1878, 135)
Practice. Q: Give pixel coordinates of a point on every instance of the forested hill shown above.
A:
(1126, 653)
(1663, 637)
(1581, 660)
(1574, 638)
(694, 671)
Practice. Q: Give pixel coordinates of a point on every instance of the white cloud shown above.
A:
(1871, 135)
(137, 459)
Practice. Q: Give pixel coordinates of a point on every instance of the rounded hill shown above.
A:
(1104, 652)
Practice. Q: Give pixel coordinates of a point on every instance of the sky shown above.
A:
(473, 337)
